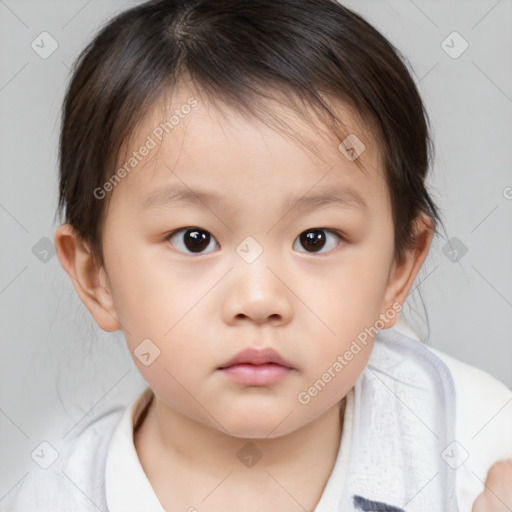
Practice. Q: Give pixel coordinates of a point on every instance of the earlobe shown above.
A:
(404, 271)
(89, 279)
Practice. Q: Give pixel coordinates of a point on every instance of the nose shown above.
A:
(257, 293)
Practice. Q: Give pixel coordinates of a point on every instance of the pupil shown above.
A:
(196, 240)
(315, 239)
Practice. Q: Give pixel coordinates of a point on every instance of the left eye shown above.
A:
(316, 239)
(195, 240)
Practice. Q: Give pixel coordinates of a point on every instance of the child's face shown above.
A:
(255, 282)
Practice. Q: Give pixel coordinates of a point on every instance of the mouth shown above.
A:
(257, 357)
(257, 367)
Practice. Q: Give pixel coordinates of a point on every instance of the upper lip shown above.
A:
(257, 357)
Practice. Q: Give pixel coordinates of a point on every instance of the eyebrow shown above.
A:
(169, 196)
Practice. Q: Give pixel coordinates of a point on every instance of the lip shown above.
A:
(256, 367)
(256, 356)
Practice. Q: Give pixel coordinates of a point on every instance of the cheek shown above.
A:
(348, 303)
(352, 296)
(162, 313)
(175, 379)
(150, 295)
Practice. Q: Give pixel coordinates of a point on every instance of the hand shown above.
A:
(497, 496)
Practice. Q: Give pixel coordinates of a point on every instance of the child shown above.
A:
(245, 198)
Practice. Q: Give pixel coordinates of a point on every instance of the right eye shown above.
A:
(191, 239)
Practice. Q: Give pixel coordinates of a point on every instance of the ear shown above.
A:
(404, 271)
(89, 279)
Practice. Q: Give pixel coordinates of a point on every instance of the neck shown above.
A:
(169, 443)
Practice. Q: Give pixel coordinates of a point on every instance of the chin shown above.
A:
(258, 428)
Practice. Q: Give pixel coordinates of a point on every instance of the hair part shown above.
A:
(241, 54)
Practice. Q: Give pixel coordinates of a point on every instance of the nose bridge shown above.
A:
(256, 291)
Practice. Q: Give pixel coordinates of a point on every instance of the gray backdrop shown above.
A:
(58, 369)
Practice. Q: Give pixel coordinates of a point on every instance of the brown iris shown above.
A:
(314, 239)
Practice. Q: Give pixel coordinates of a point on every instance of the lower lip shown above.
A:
(256, 375)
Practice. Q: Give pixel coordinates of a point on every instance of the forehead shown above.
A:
(185, 138)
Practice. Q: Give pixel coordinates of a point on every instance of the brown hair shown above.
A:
(239, 52)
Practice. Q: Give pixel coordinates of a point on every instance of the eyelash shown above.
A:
(335, 232)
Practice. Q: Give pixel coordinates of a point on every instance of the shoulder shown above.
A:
(484, 406)
(75, 481)
(483, 424)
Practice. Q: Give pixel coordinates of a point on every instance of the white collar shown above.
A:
(126, 485)
(129, 490)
